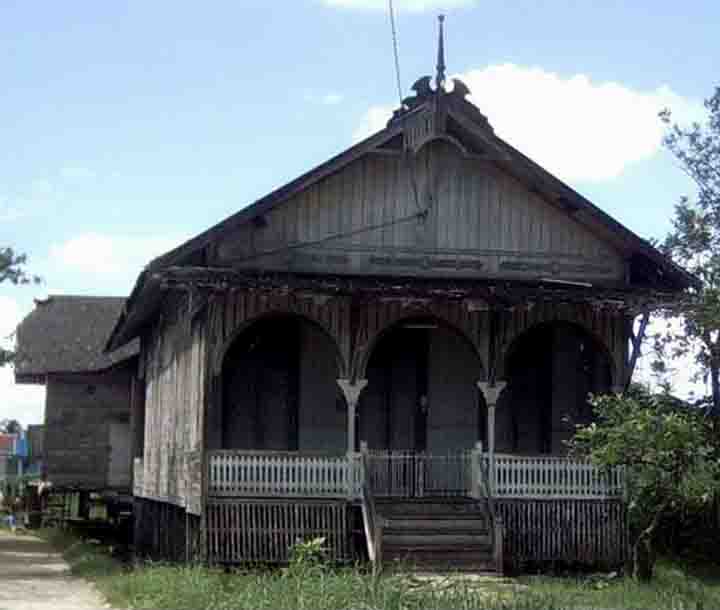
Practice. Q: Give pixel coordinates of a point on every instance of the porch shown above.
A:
(466, 509)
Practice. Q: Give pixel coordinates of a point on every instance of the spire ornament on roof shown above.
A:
(440, 75)
(440, 97)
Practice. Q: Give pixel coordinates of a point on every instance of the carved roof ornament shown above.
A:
(440, 74)
(424, 91)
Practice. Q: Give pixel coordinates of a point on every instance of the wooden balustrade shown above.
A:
(404, 474)
(410, 474)
(138, 477)
(515, 476)
(279, 473)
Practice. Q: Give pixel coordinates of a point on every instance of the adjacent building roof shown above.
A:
(66, 334)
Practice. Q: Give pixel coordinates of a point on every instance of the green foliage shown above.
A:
(308, 554)
(694, 243)
(666, 448)
(10, 426)
(676, 587)
(12, 269)
(158, 586)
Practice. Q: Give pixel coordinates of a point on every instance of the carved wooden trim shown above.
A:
(606, 326)
(236, 311)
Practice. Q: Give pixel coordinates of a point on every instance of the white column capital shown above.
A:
(491, 391)
(352, 389)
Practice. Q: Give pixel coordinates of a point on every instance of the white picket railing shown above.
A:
(280, 473)
(405, 474)
(410, 474)
(138, 477)
(515, 476)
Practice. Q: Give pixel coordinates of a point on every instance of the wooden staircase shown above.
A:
(447, 534)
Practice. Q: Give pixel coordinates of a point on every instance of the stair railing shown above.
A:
(372, 522)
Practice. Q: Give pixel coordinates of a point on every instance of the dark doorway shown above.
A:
(551, 371)
(261, 387)
(393, 409)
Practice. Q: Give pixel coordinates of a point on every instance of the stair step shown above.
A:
(437, 535)
(446, 524)
(476, 566)
(444, 559)
(429, 508)
(437, 539)
(437, 546)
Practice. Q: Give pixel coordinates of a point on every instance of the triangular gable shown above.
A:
(440, 214)
(337, 217)
(430, 116)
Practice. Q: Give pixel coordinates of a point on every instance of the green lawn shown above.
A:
(156, 586)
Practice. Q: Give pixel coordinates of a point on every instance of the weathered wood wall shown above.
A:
(265, 530)
(588, 532)
(174, 364)
(80, 410)
(355, 331)
(480, 223)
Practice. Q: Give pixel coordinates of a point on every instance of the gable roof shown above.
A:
(453, 118)
(66, 334)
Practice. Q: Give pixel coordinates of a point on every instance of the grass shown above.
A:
(308, 585)
(676, 586)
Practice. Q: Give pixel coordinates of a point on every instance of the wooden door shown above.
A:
(261, 389)
(393, 409)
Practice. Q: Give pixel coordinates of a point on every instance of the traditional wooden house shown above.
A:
(87, 436)
(390, 351)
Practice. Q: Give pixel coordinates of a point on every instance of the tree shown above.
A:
(694, 243)
(667, 450)
(10, 426)
(12, 269)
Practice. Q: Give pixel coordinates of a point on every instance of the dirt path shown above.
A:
(34, 577)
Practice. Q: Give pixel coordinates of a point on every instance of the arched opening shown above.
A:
(279, 388)
(551, 370)
(422, 393)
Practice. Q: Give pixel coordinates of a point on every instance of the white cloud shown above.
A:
(411, 6)
(10, 316)
(10, 211)
(331, 99)
(22, 402)
(110, 254)
(578, 129)
(683, 372)
(374, 119)
(77, 173)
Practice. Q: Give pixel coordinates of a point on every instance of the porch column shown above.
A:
(352, 391)
(491, 391)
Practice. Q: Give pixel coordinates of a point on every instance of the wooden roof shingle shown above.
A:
(67, 334)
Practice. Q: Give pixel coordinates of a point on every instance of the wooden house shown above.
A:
(390, 351)
(87, 438)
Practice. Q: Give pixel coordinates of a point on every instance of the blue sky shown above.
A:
(126, 127)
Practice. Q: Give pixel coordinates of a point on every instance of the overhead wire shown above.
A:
(407, 152)
(422, 212)
(393, 27)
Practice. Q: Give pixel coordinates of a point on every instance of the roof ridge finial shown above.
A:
(440, 75)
